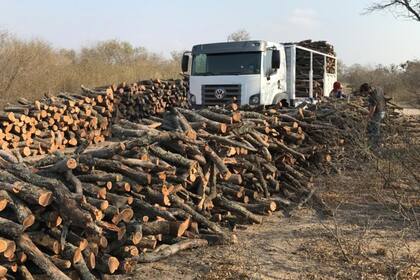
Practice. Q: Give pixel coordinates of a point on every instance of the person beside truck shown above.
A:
(337, 90)
(377, 107)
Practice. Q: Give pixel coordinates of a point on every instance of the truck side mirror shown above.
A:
(184, 63)
(275, 59)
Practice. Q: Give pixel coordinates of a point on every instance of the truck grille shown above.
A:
(221, 94)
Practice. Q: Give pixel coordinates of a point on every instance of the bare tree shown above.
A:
(403, 8)
(240, 35)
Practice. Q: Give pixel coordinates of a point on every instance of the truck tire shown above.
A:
(278, 99)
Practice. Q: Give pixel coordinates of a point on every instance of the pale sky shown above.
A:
(165, 25)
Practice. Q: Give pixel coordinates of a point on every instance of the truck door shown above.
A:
(270, 81)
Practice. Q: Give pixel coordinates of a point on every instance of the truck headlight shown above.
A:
(193, 100)
(254, 99)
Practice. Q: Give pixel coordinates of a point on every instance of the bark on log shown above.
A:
(171, 250)
(15, 232)
(237, 208)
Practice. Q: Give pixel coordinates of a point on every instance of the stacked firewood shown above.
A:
(302, 74)
(320, 46)
(56, 122)
(180, 180)
(323, 47)
(150, 97)
(318, 62)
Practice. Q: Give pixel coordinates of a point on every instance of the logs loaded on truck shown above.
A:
(174, 179)
(322, 66)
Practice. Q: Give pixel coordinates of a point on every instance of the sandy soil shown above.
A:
(411, 112)
(369, 237)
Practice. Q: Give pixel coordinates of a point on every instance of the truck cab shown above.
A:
(247, 72)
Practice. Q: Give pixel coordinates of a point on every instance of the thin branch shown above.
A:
(412, 8)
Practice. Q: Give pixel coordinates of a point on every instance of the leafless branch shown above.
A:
(402, 8)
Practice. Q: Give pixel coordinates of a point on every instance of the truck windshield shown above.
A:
(226, 64)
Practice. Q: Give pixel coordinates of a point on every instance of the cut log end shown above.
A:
(45, 199)
(136, 238)
(3, 271)
(113, 264)
(183, 227)
(103, 242)
(91, 260)
(3, 245)
(77, 256)
(3, 204)
(83, 244)
(71, 163)
(28, 221)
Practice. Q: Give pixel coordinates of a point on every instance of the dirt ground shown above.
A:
(373, 234)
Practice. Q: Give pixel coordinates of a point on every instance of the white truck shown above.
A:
(257, 73)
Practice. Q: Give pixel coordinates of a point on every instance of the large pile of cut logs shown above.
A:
(55, 122)
(171, 181)
(181, 180)
(151, 97)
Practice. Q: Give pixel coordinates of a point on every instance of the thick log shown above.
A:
(175, 229)
(223, 170)
(148, 209)
(211, 125)
(24, 273)
(171, 250)
(107, 264)
(15, 232)
(216, 116)
(116, 166)
(60, 263)
(172, 157)
(45, 241)
(69, 208)
(23, 214)
(27, 192)
(74, 254)
(226, 237)
(262, 207)
(237, 208)
(100, 176)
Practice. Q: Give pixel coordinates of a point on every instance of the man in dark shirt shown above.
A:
(377, 103)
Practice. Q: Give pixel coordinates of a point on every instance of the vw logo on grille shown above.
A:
(219, 93)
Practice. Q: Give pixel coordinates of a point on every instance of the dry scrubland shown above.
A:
(399, 81)
(32, 68)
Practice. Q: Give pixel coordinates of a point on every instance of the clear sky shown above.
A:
(165, 25)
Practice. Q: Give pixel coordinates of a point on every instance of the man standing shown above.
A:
(377, 103)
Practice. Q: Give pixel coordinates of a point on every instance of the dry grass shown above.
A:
(400, 82)
(32, 68)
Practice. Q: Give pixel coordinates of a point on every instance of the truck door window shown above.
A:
(267, 63)
(199, 64)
